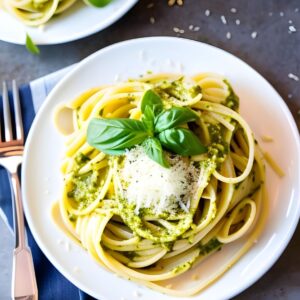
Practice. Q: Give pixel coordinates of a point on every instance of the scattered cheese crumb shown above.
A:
(117, 77)
(228, 35)
(150, 5)
(233, 10)
(267, 138)
(42, 28)
(223, 19)
(197, 28)
(170, 62)
(76, 269)
(292, 28)
(68, 247)
(270, 14)
(178, 30)
(207, 12)
(290, 22)
(296, 9)
(293, 76)
(152, 20)
(136, 294)
(60, 241)
(290, 96)
(191, 27)
(281, 14)
(254, 34)
(237, 22)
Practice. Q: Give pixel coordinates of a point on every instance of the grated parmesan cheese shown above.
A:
(149, 185)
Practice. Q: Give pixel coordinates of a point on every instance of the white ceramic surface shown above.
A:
(261, 106)
(75, 23)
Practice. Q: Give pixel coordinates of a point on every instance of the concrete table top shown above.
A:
(261, 38)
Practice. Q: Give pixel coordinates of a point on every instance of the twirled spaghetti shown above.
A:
(36, 12)
(150, 243)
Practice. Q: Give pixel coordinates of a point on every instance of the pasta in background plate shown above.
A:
(39, 12)
(150, 223)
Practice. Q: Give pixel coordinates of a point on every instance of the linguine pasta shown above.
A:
(148, 235)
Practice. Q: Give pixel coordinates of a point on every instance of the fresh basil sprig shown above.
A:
(153, 149)
(157, 128)
(174, 117)
(113, 136)
(182, 141)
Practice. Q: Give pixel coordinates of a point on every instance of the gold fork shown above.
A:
(11, 153)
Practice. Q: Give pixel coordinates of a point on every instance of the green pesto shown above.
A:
(218, 148)
(177, 89)
(232, 101)
(162, 236)
(85, 187)
(210, 246)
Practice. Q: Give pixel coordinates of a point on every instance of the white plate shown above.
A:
(261, 106)
(77, 22)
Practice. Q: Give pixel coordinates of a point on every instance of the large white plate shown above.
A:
(260, 105)
(77, 22)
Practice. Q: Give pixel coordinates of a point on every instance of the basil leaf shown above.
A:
(154, 150)
(112, 135)
(98, 3)
(148, 119)
(31, 46)
(181, 141)
(174, 117)
(152, 100)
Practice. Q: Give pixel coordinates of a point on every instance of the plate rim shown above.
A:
(82, 34)
(289, 118)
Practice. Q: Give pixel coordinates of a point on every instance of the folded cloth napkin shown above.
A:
(51, 284)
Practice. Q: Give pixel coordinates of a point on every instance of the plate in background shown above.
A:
(262, 108)
(76, 22)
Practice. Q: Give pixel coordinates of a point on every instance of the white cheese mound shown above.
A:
(149, 185)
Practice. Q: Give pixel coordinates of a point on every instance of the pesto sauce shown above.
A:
(85, 187)
(218, 148)
(177, 89)
(232, 101)
(210, 246)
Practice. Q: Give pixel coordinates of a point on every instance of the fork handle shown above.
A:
(23, 276)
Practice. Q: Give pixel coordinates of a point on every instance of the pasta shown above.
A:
(39, 12)
(150, 229)
(36, 12)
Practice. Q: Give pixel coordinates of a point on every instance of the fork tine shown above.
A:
(18, 116)
(6, 113)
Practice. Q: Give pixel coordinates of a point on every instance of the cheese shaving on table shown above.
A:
(149, 185)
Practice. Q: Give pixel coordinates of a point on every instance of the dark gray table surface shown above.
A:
(274, 53)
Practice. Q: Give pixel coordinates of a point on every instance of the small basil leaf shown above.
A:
(115, 134)
(152, 100)
(181, 141)
(97, 3)
(31, 46)
(154, 150)
(148, 119)
(174, 117)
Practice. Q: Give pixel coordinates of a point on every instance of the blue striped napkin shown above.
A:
(51, 284)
